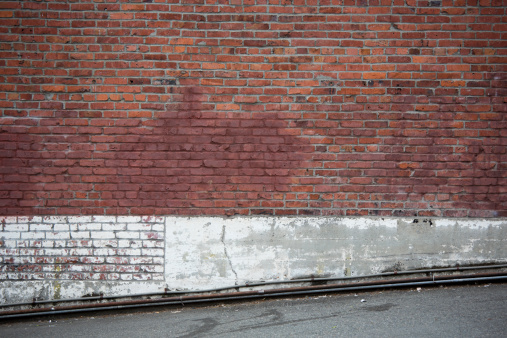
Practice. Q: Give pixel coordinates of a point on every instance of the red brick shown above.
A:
(366, 100)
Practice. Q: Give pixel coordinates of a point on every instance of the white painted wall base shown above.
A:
(211, 252)
(191, 253)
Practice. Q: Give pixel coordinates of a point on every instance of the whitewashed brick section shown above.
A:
(82, 248)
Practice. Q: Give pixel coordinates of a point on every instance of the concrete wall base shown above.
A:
(191, 253)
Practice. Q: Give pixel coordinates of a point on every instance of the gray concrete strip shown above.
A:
(458, 311)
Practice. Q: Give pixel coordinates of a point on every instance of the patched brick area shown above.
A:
(122, 248)
(282, 107)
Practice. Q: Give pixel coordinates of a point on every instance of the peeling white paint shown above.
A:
(207, 252)
(262, 248)
(364, 223)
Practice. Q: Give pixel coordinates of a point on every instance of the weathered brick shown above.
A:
(180, 121)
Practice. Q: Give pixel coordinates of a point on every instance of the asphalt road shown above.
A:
(459, 311)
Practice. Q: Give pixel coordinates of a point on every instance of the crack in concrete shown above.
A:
(226, 253)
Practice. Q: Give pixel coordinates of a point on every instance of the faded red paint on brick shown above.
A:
(329, 108)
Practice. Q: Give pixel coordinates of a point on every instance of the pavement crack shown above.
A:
(226, 253)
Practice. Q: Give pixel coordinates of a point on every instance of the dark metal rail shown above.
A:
(296, 291)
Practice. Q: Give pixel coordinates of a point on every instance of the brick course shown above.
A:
(302, 107)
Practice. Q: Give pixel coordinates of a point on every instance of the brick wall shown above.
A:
(281, 107)
(122, 248)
